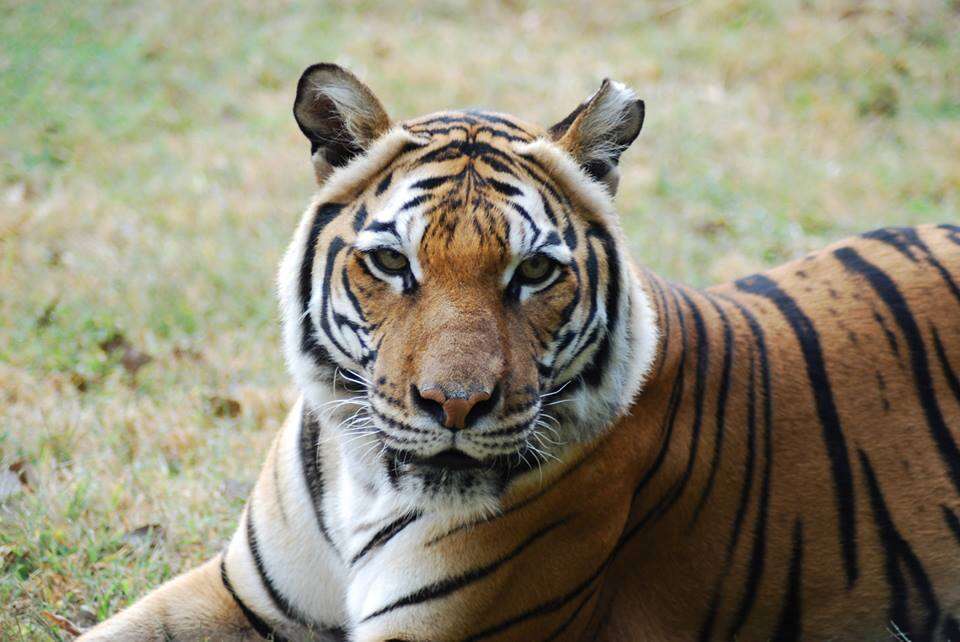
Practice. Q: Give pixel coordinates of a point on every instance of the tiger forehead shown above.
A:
(465, 197)
(471, 125)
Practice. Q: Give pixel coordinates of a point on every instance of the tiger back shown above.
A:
(508, 432)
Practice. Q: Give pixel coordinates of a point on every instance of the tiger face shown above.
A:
(455, 300)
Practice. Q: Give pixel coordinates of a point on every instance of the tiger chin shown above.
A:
(507, 431)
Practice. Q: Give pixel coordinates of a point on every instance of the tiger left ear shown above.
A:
(338, 114)
(598, 131)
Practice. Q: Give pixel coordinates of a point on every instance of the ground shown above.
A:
(151, 175)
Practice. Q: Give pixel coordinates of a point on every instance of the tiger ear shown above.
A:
(600, 129)
(338, 114)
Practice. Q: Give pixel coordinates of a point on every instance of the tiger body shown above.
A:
(773, 458)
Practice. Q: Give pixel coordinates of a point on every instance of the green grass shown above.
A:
(151, 174)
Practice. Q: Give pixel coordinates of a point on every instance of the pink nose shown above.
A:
(455, 410)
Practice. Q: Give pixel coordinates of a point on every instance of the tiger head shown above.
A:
(457, 301)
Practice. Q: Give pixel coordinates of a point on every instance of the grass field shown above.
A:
(151, 174)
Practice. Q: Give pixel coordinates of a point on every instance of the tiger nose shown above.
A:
(455, 411)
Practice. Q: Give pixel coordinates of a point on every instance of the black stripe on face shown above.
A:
(308, 340)
(593, 373)
(383, 184)
(434, 181)
(257, 623)
(504, 188)
(789, 628)
(888, 292)
(453, 584)
(312, 473)
(836, 445)
(360, 218)
(898, 555)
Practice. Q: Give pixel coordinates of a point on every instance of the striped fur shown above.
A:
(774, 458)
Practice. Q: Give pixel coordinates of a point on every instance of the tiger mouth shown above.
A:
(450, 459)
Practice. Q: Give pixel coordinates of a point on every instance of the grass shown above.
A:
(151, 174)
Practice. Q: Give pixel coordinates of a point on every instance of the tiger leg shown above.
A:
(277, 579)
(197, 605)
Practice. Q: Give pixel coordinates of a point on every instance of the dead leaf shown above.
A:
(148, 535)
(187, 353)
(13, 480)
(79, 382)
(46, 317)
(23, 472)
(114, 343)
(223, 406)
(131, 358)
(62, 623)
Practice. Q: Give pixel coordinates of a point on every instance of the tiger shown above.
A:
(506, 430)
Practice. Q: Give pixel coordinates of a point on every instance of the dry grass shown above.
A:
(150, 174)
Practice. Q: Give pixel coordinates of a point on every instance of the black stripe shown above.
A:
(809, 340)
(279, 600)
(452, 584)
(360, 218)
(758, 554)
(593, 373)
(544, 608)
(504, 188)
(790, 627)
(257, 623)
(383, 226)
(415, 201)
(673, 404)
(383, 184)
(905, 240)
(953, 523)
(312, 474)
(308, 340)
(897, 552)
(337, 245)
(721, 411)
(951, 630)
(557, 632)
(433, 181)
(948, 373)
(887, 290)
(701, 351)
(384, 535)
(953, 232)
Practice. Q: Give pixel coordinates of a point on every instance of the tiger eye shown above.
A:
(390, 261)
(535, 269)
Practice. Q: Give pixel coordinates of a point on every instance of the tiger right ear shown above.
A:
(600, 129)
(338, 114)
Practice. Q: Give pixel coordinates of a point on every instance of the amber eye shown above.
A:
(390, 261)
(536, 269)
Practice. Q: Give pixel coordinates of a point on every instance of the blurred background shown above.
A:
(151, 175)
